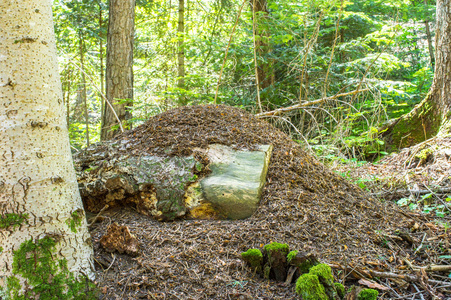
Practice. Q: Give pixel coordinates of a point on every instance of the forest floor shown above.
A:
(362, 234)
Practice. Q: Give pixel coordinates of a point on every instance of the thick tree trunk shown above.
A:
(42, 222)
(119, 65)
(430, 116)
(181, 52)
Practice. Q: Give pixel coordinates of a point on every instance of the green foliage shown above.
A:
(368, 294)
(12, 220)
(428, 203)
(45, 277)
(379, 45)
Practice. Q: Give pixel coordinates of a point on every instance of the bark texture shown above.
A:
(38, 190)
(430, 116)
(119, 65)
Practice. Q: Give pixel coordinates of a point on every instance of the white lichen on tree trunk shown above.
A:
(39, 195)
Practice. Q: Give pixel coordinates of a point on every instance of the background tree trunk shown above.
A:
(102, 74)
(39, 198)
(265, 73)
(119, 65)
(432, 114)
(83, 88)
(181, 52)
(428, 34)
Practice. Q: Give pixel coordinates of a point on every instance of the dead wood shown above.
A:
(307, 103)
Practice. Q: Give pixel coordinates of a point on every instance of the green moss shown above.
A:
(424, 154)
(75, 220)
(368, 294)
(45, 277)
(322, 271)
(12, 220)
(340, 289)
(254, 258)
(276, 247)
(292, 255)
(304, 263)
(422, 123)
(309, 288)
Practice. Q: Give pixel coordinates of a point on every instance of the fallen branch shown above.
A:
(361, 273)
(98, 215)
(305, 104)
(406, 192)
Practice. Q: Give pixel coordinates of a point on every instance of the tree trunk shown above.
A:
(43, 233)
(83, 88)
(265, 73)
(119, 65)
(431, 115)
(102, 75)
(428, 35)
(181, 53)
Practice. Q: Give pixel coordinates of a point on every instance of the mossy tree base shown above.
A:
(42, 276)
(421, 124)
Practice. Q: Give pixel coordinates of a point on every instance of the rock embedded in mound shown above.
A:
(169, 187)
(236, 181)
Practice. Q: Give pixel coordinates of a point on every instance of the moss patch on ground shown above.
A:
(309, 287)
(368, 294)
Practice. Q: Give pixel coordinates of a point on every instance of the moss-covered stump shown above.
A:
(324, 273)
(302, 261)
(340, 290)
(310, 288)
(254, 259)
(276, 265)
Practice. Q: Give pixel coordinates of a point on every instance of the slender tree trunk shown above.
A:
(119, 65)
(102, 74)
(83, 89)
(432, 115)
(181, 53)
(429, 36)
(42, 222)
(265, 72)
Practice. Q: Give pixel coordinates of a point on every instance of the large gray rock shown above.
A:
(172, 187)
(235, 185)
